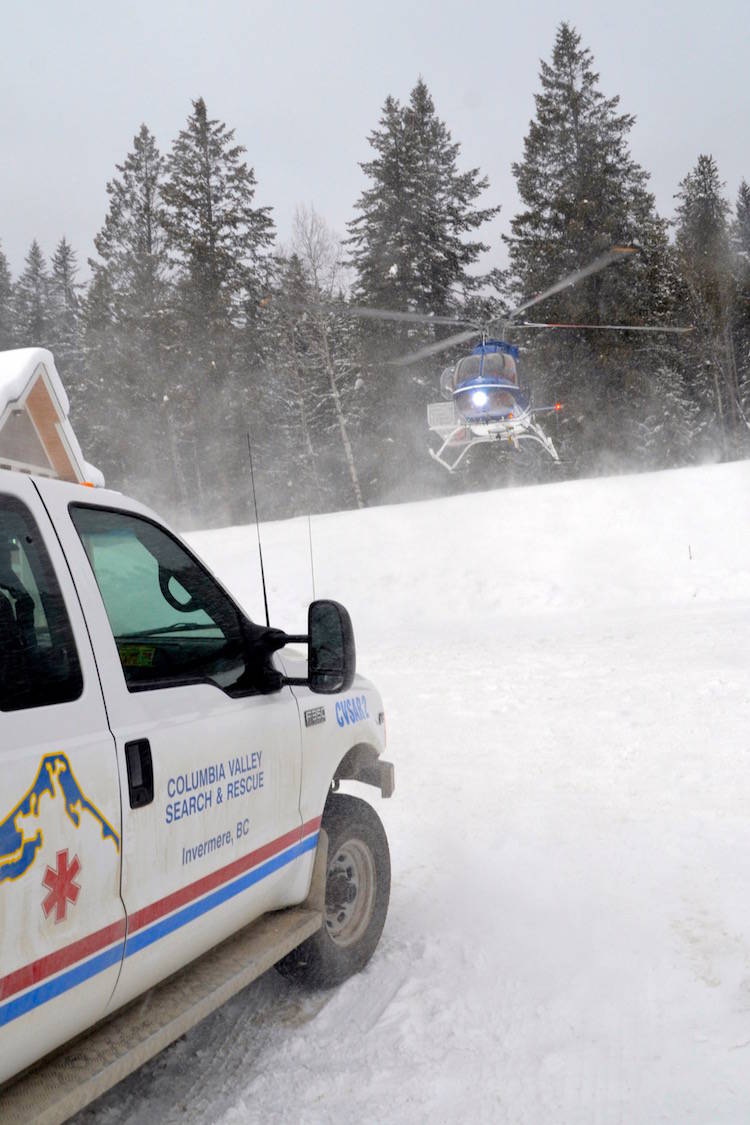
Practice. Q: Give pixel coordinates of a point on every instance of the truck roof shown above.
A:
(36, 435)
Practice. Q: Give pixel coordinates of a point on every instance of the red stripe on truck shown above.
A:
(60, 959)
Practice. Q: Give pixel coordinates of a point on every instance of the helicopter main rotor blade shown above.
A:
(616, 254)
(364, 313)
(436, 348)
(610, 327)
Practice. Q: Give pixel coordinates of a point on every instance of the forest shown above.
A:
(196, 330)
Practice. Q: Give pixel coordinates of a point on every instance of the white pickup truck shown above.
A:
(169, 814)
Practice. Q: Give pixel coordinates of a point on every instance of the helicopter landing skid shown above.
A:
(441, 460)
(530, 433)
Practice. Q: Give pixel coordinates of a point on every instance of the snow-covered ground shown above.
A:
(566, 672)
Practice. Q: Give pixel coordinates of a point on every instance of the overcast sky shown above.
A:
(303, 84)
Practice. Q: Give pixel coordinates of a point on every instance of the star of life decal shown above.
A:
(61, 885)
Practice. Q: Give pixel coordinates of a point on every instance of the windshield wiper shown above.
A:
(178, 627)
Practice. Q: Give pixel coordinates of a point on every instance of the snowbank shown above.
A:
(565, 670)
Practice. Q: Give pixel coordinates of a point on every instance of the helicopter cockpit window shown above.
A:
(468, 368)
(500, 366)
(496, 365)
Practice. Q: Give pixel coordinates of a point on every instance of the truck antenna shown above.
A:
(312, 564)
(257, 528)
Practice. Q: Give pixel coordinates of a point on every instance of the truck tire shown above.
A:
(358, 886)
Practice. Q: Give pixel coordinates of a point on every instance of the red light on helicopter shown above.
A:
(558, 406)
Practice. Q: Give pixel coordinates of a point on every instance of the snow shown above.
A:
(17, 368)
(565, 671)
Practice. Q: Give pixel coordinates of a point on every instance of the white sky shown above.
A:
(303, 86)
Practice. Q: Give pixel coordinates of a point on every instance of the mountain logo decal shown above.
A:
(21, 835)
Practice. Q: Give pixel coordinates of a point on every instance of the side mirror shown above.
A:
(331, 656)
(332, 659)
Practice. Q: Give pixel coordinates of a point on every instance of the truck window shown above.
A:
(171, 622)
(39, 663)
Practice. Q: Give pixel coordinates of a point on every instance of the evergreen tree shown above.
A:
(7, 332)
(669, 427)
(218, 243)
(703, 229)
(582, 193)
(285, 457)
(131, 245)
(31, 301)
(409, 245)
(411, 249)
(217, 238)
(741, 227)
(98, 406)
(705, 264)
(741, 313)
(65, 310)
(128, 331)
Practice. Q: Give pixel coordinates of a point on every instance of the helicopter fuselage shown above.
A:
(487, 405)
(484, 388)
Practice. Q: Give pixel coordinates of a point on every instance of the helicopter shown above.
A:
(485, 400)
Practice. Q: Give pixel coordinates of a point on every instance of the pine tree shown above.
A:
(669, 427)
(409, 244)
(217, 238)
(740, 233)
(285, 456)
(741, 227)
(128, 332)
(218, 243)
(98, 405)
(705, 265)
(64, 300)
(582, 193)
(411, 249)
(31, 301)
(7, 328)
(131, 245)
(703, 228)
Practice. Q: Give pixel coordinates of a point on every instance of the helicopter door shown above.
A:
(447, 382)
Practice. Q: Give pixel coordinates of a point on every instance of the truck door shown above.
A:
(62, 922)
(210, 769)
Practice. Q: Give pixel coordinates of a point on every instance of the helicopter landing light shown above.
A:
(479, 398)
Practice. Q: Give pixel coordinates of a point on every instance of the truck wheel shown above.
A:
(358, 886)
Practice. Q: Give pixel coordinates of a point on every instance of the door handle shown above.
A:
(140, 773)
